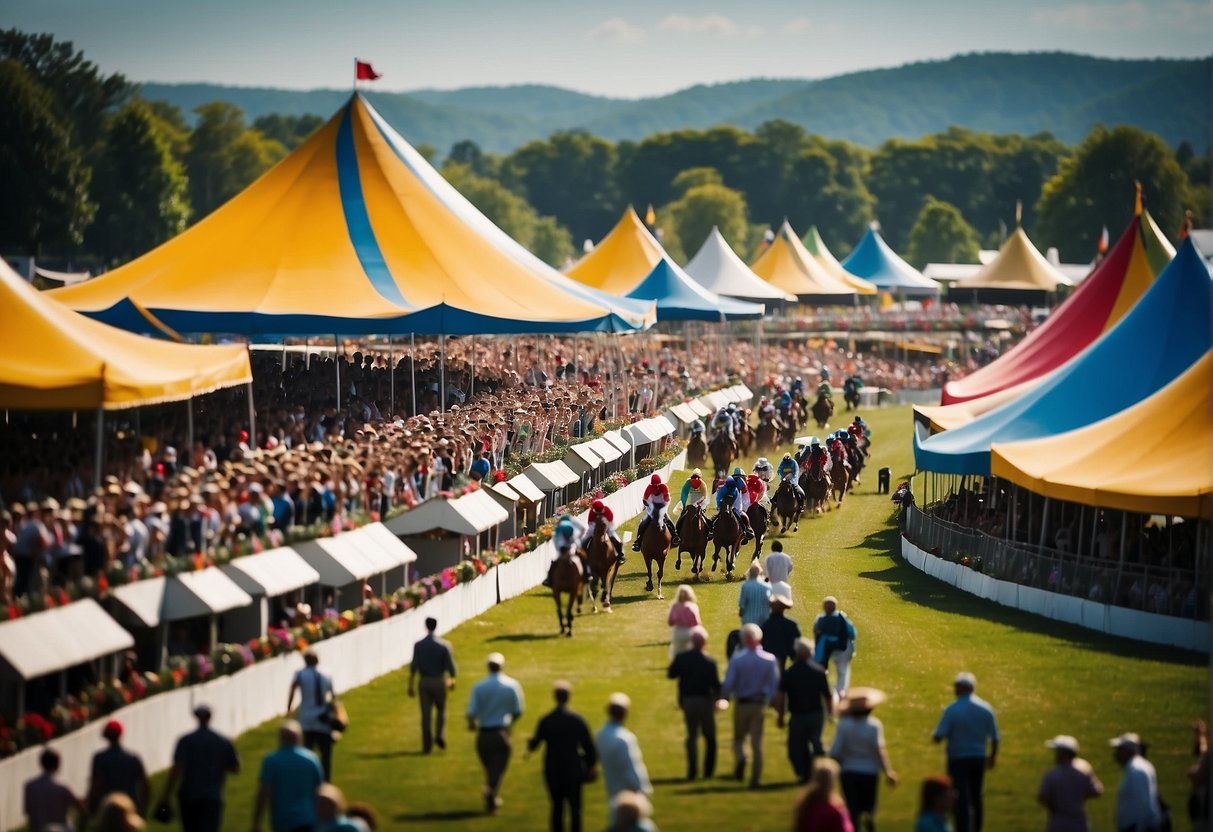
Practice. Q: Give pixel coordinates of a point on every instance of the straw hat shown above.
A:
(861, 699)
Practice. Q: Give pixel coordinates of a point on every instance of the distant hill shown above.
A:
(1062, 93)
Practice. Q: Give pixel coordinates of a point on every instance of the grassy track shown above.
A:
(1043, 678)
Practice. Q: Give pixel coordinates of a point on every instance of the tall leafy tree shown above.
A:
(288, 131)
(44, 196)
(692, 216)
(225, 156)
(140, 188)
(571, 177)
(1094, 187)
(941, 235)
(552, 242)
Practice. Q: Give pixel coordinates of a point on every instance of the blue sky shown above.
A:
(625, 48)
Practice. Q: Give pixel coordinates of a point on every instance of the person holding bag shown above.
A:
(320, 714)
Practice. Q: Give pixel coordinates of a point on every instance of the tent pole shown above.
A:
(413, 369)
(391, 368)
(472, 361)
(97, 457)
(442, 373)
(1044, 523)
(337, 366)
(252, 417)
(189, 422)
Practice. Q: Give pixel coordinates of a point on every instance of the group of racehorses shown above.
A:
(836, 477)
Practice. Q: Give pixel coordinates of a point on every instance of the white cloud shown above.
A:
(1127, 16)
(714, 25)
(617, 30)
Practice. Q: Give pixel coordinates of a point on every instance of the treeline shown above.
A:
(93, 170)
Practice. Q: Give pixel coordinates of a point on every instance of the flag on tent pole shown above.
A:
(1103, 241)
(363, 71)
(650, 216)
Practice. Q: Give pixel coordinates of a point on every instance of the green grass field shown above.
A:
(1043, 678)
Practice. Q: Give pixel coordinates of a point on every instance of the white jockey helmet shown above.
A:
(787, 456)
(813, 440)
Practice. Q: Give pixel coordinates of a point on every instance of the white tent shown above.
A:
(717, 268)
(56, 639)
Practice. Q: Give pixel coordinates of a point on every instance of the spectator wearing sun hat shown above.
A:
(117, 770)
(1137, 806)
(968, 724)
(1067, 786)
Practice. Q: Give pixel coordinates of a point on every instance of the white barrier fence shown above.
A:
(255, 694)
(1103, 618)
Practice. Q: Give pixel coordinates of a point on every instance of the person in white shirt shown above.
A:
(1137, 807)
(315, 695)
(778, 567)
(859, 748)
(623, 768)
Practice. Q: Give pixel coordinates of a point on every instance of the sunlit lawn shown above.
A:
(1043, 678)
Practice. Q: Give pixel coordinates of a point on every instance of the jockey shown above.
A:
(862, 425)
(798, 386)
(696, 428)
(656, 498)
(763, 469)
(736, 415)
(732, 491)
(766, 410)
(785, 401)
(757, 487)
(743, 490)
(723, 421)
(599, 509)
(694, 493)
(789, 470)
(564, 536)
(817, 454)
(825, 373)
(824, 390)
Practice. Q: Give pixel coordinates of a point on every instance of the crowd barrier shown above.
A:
(1104, 618)
(255, 694)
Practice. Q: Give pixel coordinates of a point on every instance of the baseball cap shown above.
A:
(497, 659)
(966, 678)
(202, 710)
(1126, 740)
(620, 700)
(112, 730)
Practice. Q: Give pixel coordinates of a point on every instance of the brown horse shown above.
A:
(816, 489)
(653, 546)
(823, 409)
(857, 459)
(604, 564)
(723, 450)
(693, 537)
(840, 477)
(567, 579)
(767, 435)
(757, 513)
(745, 436)
(785, 507)
(727, 534)
(697, 451)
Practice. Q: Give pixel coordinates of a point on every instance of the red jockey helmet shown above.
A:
(597, 505)
(656, 479)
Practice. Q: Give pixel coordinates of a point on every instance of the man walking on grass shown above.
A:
(698, 686)
(968, 724)
(434, 662)
(495, 703)
(569, 759)
(753, 681)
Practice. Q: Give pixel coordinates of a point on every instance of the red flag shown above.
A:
(1103, 241)
(364, 71)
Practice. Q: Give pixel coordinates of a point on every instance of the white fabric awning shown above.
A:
(664, 425)
(582, 458)
(683, 414)
(604, 449)
(470, 514)
(697, 407)
(650, 430)
(713, 400)
(272, 573)
(744, 393)
(618, 440)
(551, 476)
(382, 549)
(526, 489)
(56, 639)
(396, 549)
(335, 560)
(503, 494)
(143, 598)
(205, 592)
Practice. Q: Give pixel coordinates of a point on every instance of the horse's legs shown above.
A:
(660, 573)
(559, 613)
(648, 565)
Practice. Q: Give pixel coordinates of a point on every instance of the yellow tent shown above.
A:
(787, 265)
(1019, 271)
(52, 358)
(817, 247)
(624, 257)
(1152, 458)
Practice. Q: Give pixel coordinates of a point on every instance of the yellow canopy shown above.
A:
(1152, 458)
(52, 358)
(787, 265)
(943, 417)
(1018, 266)
(622, 260)
(822, 254)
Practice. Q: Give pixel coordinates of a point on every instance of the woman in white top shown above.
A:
(683, 617)
(860, 750)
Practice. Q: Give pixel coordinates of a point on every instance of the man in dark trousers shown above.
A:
(779, 633)
(804, 692)
(434, 662)
(117, 770)
(201, 763)
(698, 686)
(569, 759)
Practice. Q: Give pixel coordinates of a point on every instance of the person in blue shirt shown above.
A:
(481, 467)
(731, 490)
(968, 724)
(798, 386)
(289, 779)
(788, 468)
(495, 704)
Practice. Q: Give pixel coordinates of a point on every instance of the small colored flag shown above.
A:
(650, 216)
(1103, 241)
(363, 71)
(1018, 212)
(1137, 200)
(1186, 226)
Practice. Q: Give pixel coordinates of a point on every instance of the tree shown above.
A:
(692, 217)
(288, 131)
(506, 209)
(571, 177)
(552, 242)
(225, 156)
(468, 154)
(44, 198)
(941, 235)
(693, 178)
(1094, 187)
(140, 189)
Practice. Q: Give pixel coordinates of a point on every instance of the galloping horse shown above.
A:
(850, 394)
(767, 436)
(693, 537)
(723, 450)
(823, 409)
(840, 477)
(697, 451)
(858, 459)
(604, 564)
(567, 579)
(816, 485)
(653, 546)
(727, 535)
(745, 434)
(785, 507)
(757, 513)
